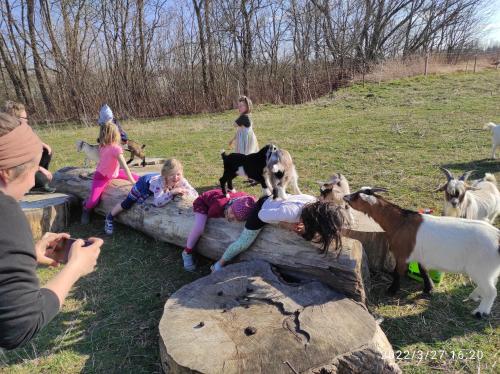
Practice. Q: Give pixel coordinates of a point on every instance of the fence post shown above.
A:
(475, 62)
(426, 64)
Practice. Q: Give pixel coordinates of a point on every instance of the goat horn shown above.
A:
(466, 175)
(446, 172)
(379, 189)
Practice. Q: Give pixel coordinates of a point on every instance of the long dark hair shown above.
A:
(323, 222)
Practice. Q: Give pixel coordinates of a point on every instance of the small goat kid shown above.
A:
(495, 139)
(480, 200)
(136, 149)
(282, 172)
(444, 243)
(91, 151)
(253, 166)
(334, 190)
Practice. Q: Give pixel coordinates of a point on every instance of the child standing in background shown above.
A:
(108, 168)
(105, 115)
(245, 139)
(163, 187)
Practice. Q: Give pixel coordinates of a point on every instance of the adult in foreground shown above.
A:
(25, 307)
(43, 176)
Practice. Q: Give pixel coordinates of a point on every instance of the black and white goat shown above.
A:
(479, 200)
(91, 151)
(443, 243)
(252, 165)
(282, 172)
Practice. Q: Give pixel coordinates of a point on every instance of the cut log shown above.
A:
(347, 273)
(245, 319)
(48, 212)
(374, 242)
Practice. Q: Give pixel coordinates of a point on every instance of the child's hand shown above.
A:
(299, 228)
(178, 191)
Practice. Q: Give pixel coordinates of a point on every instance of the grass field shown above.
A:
(393, 135)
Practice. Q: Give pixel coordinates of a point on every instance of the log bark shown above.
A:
(245, 319)
(347, 272)
(48, 212)
(374, 242)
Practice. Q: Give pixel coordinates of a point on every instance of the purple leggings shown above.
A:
(99, 183)
(199, 226)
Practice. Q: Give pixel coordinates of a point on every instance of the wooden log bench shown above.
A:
(245, 319)
(347, 272)
(48, 212)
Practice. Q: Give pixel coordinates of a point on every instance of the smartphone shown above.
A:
(61, 250)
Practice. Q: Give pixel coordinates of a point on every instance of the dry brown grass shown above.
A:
(437, 63)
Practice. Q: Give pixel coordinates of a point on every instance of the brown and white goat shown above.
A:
(136, 150)
(334, 190)
(478, 200)
(444, 243)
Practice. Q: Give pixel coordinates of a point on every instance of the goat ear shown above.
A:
(441, 188)
(370, 199)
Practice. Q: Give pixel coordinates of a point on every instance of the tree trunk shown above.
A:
(346, 272)
(245, 319)
(37, 63)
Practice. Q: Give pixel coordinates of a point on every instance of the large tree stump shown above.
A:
(347, 272)
(47, 212)
(374, 241)
(245, 319)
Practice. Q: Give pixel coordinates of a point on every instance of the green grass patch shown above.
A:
(393, 135)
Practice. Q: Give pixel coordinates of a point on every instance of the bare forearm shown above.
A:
(62, 282)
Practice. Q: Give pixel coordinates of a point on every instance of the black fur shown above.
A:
(252, 164)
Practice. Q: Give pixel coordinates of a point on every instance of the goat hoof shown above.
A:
(391, 291)
(478, 314)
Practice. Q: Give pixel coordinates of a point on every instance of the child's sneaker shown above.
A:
(188, 260)
(108, 224)
(216, 267)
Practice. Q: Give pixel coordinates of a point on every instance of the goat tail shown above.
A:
(490, 178)
(223, 154)
(489, 126)
(143, 146)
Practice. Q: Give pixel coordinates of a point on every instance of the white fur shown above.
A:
(91, 151)
(481, 202)
(495, 140)
(461, 246)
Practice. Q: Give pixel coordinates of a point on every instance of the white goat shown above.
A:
(480, 200)
(444, 243)
(91, 151)
(495, 139)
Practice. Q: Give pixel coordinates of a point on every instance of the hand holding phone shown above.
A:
(60, 252)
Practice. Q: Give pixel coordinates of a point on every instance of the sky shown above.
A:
(492, 26)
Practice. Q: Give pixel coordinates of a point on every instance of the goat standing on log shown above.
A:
(481, 200)
(91, 151)
(282, 172)
(444, 243)
(252, 165)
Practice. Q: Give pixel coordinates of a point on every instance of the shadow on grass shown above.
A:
(110, 322)
(480, 167)
(411, 317)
